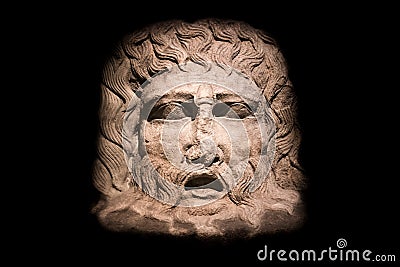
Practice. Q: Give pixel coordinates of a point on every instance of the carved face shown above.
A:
(201, 140)
(198, 132)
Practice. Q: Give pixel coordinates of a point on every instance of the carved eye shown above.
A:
(173, 111)
(232, 110)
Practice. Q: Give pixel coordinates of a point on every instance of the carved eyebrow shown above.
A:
(228, 97)
(178, 98)
(231, 98)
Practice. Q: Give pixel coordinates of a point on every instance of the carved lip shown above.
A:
(203, 180)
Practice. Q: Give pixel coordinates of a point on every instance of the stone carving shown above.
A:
(198, 133)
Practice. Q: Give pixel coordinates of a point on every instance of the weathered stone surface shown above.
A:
(198, 133)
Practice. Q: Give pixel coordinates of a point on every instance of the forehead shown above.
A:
(188, 91)
(180, 83)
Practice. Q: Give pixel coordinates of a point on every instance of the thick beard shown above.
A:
(164, 185)
(249, 205)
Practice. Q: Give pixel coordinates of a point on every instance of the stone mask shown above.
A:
(198, 133)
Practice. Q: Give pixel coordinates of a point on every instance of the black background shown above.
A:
(340, 62)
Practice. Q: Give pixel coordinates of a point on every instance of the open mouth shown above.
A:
(203, 181)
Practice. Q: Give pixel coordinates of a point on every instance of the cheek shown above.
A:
(223, 142)
(254, 141)
(254, 137)
(239, 140)
(152, 143)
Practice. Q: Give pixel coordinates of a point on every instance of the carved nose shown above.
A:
(203, 153)
(203, 149)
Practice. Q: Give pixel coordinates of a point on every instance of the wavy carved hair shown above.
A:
(143, 53)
